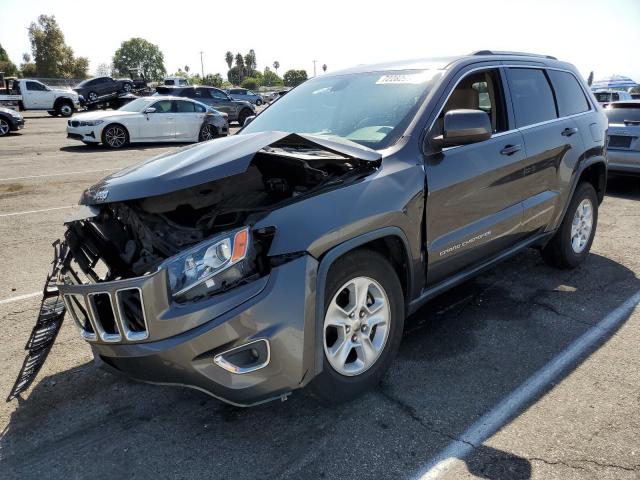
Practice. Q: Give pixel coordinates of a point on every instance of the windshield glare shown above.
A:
(137, 105)
(372, 109)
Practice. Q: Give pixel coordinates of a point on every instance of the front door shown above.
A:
(36, 96)
(159, 125)
(474, 203)
(223, 103)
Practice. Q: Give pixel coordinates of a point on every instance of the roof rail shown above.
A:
(520, 54)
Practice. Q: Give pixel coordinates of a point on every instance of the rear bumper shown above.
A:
(624, 161)
(279, 310)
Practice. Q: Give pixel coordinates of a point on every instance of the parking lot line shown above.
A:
(522, 396)
(20, 297)
(34, 211)
(58, 174)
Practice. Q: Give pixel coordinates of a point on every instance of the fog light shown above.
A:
(246, 358)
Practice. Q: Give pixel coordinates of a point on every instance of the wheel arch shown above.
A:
(391, 242)
(60, 100)
(596, 174)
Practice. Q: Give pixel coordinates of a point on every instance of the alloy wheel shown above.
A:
(207, 133)
(4, 127)
(581, 226)
(93, 96)
(356, 326)
(115, 137)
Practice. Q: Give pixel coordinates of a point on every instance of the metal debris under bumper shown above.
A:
(44, 333)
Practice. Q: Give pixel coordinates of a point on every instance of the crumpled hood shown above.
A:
(205, 162)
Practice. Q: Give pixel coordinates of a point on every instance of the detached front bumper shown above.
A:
(198, 344)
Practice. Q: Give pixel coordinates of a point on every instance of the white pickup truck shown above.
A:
(30, 94)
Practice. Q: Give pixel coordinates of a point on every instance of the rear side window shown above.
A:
(185, 107)
(569, 94)
(532, 96)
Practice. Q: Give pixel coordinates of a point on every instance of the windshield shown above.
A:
(137, 105)
(372, 109)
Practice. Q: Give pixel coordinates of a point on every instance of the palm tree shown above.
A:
(186, 68)
(276, 66)
(324, 68)
(228, 57)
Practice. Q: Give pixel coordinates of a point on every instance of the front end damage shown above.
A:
(166, 277)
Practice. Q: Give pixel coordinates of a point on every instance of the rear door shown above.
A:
(551, 137)
(188, 120)
(474, 205)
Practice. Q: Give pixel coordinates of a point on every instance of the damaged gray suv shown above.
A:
(290, 254)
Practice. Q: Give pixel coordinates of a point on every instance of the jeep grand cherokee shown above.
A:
(289, 254)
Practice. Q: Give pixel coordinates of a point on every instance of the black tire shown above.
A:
(92, 96)
(5, 127)
(112, 131)
(207, 132)
(127, 87)
(53, 113)
(330, 385)
(560, 252)
(243, 115)
(64, 108)
(258, 102)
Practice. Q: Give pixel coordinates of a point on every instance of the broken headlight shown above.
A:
(205, 268)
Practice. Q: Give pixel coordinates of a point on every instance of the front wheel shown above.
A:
(127, 87)
(362, 326)
(92, 96)
(64, 109)
(242, 117)
(5, 128)
(115, 136)
(572, 242)
(258, 102)
(207, 132)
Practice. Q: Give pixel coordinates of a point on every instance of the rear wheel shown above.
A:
(115, 136)
(127, 87)
(572, 242)
(363, 323)
(5, 128)
(92, 96)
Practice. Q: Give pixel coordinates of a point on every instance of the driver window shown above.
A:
(479, 91)
(35, 86)
(163, 106)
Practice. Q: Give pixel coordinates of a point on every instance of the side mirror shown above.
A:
(149, 110)
(462, 127)
(248, 120)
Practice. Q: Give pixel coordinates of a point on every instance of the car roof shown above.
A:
(444, 63)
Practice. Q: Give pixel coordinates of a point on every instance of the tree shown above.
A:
(103, 70)
(6, 65)
(139, 53)
(53, 57)
(186, 68)
(228, 57)
(270, 79)
(276, 66)
(235, 75)
(28, 68)
(293, 78)
(213, 80)
(250, 61)
(249, 83)
(239, 61)
(26, 58)
(324, 68)
(590, 79)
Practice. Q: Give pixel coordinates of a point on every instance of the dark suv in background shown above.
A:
(93, 88)
(290, 254)
(237, 110)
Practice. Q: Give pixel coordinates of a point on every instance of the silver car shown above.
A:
(623, 148)
(246, 95)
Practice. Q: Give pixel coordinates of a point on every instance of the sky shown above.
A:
(603, 36)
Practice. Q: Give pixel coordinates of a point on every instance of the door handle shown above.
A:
(567, 132)
(510, 149)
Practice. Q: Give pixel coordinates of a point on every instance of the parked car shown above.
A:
(32, 94)
(237, 110)
(269, 96)
(149, 119)
(244, 94)
(10, 120)
(290, 254)
(635, 96)
(623, 147)
(175, 81)
(94, 88)
(607, 96)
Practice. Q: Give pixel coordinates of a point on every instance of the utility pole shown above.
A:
(201, 64)
(314, 67)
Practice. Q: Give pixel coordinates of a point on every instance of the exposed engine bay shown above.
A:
(133, 237)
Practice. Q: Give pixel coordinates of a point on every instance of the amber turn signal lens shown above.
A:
(240, 242)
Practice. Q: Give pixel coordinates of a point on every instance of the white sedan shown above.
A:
(149, 119)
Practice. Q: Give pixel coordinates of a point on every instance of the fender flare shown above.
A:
(327, 261)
